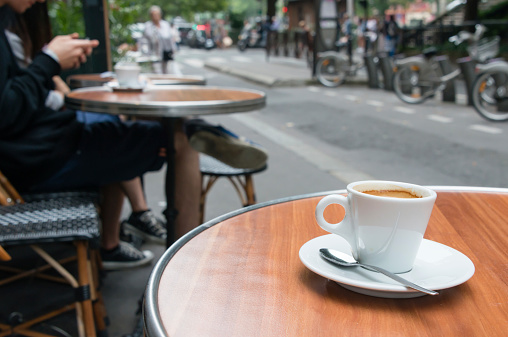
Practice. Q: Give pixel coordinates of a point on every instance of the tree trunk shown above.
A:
(471, 10)
(270, 8)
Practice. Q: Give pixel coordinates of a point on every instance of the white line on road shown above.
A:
(352, 98)
(324, 162)
(461, 99)
(241, 59)
(486, 129)
(440, 119)
(375, 103)
(217, 60)
(330, 93)
(314, 89)
(404, 110)
(196, 63)
(175, 68)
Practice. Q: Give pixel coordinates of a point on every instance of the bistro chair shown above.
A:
(40, 222)
(241, 179)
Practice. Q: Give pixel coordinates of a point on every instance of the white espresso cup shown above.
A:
(384, 230)
(127, 75)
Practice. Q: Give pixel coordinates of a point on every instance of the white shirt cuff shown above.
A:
(50, 53)
(54, 100)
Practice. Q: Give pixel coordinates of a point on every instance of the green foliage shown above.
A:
(496, 12)
(240, 10)
(122, 14)
(66, 17)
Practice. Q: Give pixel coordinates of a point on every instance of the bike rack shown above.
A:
(446, 68)
(386, 64)
(467, 66)
(371, 65)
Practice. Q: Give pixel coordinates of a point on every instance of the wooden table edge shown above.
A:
(169, 109)
(152, 320)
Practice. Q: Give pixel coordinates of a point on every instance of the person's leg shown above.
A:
(111, 209)
(225, 146)
(133, 190)
(110, 153)
(142, 222)
(164, 65)
(187, 185)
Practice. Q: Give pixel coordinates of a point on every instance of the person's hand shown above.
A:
(70, 50)
(60, 85)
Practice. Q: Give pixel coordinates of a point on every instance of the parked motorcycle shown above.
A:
(250, 39)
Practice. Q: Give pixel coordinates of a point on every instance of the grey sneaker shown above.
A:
(222, 144)
(125, 256)
(147, 226)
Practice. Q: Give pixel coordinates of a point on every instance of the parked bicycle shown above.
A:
(419, 77)
(490, 91)
(334, 67)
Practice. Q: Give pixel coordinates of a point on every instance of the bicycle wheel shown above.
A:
(411, 86)
(330, 71)
(490, 96)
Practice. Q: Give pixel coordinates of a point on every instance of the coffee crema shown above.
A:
(392, 194)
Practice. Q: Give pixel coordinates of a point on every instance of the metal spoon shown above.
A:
(345, 260)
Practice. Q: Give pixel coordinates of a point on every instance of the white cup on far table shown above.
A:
(127, 75)
(384, 230)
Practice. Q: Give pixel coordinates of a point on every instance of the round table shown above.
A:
(168, 103)
(240, 275)
(92, 80)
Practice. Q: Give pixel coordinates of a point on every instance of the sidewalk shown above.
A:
(275, 71)
(280, 71)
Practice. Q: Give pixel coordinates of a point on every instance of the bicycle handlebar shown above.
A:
(464, 35)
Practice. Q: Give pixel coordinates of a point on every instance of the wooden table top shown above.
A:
(240, 275)
(93, 80)
(166, 101)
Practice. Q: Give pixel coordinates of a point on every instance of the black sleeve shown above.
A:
(22, 92)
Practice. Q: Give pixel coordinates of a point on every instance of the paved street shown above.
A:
(321, 139)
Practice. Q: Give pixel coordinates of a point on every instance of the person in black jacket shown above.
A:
(42, 149)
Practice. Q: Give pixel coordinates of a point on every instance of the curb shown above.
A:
(270, 81)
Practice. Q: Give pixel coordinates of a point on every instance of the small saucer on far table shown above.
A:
(117, 88)
(127, 89)
(436, 267)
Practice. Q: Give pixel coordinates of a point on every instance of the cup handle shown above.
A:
(343, 228)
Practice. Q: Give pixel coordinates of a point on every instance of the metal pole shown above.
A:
(350, 8)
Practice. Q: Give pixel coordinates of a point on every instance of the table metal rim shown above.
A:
(169, 108)
(156, 328)
(87, 82)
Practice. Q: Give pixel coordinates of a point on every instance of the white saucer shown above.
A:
(135, 88)
(436, 267)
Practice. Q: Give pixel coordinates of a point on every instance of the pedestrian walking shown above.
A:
(391, 32)
(161, 41)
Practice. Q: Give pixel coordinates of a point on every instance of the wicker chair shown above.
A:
(241, 179)
(43, 219)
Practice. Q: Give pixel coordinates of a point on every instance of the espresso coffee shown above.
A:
(392, 194)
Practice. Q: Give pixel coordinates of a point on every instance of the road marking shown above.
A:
(404, 110)
(375, 103)
(330, 93)
(241, 59)
(175, 68)
(486, 129)
(314, 89)
(440, 119)
(324, 162)
(196, 63)
(216, 60)
(461, 99)
(352, 98)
